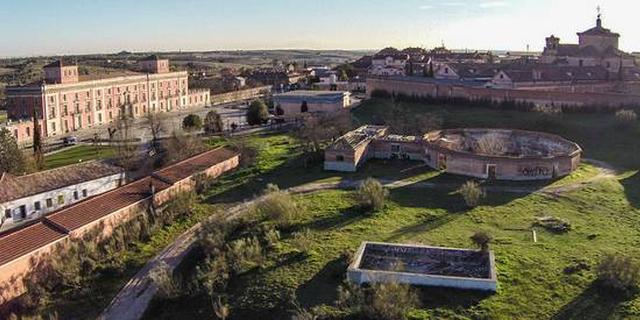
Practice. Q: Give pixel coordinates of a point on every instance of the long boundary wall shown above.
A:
(240, 95)
(14, 272)
(422, 87)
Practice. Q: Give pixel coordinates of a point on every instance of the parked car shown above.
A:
(70, 141)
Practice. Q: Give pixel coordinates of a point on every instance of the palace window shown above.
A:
(84, 193)
(75, 195)
(49, 203)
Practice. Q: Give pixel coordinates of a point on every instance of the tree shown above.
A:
(279, 110)
(157, 124)
(126, 151)
(180, 146)
(315, 130)
(258, 113)
(213, 123)
(482, 240)
(38, 153)
(11, 158)
(192, 122)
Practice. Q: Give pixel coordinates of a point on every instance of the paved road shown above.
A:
(134, 298)
(231, 113)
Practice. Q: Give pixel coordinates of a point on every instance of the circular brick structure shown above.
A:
(501, 154)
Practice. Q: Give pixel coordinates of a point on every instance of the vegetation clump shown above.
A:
(553, 224)
(471, 193)
(371, 195)
(258, 113)
(192, 122)
(384, 301)
(213, 123)
(482, 240)
(278, 206)
(619, 272)
(626, 117)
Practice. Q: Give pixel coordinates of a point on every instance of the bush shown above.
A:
(245, 254)
(482, 240)
(390, 301)
(278, 206)
(619, 272)
(371, 195)
(553, 224)
(471, 193)
(271, 237)
(626, 117)
(492, 144)
(302, 241)
(168, 287)
(192, 122)
(258, 113)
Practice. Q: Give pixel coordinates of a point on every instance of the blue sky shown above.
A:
(43, 27)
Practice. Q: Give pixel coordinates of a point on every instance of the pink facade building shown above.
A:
(65, 102)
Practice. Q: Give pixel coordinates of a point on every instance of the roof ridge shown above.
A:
(69, 166)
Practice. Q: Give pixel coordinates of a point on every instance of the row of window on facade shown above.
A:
(49, 203)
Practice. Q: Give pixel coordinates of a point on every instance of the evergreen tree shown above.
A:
(257, 113)
(11, 157)
(213, 123)
(38, 154)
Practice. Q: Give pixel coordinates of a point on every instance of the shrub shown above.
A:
(271, 237)
(278, 206)
(619, 272)
(245, 254)
(371, 195)
(302, 241)
(553, 224)
(626, 117)
(390, 301)
(471, 193)
(482, 240)
(168, 287)
(192, 122)
(492, 144)
(258, 113)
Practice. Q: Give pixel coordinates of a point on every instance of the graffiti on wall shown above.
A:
(535, 171)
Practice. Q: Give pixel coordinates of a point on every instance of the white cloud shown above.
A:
(452, 4)
(426, 7)
(494, 4)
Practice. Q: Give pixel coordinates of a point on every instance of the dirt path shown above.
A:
(134, 298)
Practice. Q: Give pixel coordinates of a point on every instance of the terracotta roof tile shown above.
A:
(24, 240)
(184, 169)
(17, 187)
(93, 209)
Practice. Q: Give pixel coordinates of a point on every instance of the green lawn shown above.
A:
(533, 283)
(78, 154)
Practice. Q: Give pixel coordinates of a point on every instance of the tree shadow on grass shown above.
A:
(436, 297)
(323, 287)
(632, 189)
(593, 303)
(338, 220)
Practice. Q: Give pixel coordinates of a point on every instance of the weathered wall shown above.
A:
(424, 88)
(240, 95)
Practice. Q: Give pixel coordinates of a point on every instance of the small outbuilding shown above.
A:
(296, 102)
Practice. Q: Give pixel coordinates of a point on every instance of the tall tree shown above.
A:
(38, 154)
(192, 122)
(257, 113)
(157, 124)
(11, 157)
(213, 123)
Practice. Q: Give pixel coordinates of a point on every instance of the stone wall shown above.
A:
(240, 95)
(422, 87)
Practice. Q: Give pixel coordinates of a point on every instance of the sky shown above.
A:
(47, 27)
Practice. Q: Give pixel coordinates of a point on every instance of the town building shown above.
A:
(66, 102)
(545, 75)
(28, 197)
(597, 46)
(297, 102)
(392, 64)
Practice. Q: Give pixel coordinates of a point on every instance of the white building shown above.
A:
(25, 198)
(389, 64)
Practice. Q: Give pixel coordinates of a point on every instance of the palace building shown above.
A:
(67, 101)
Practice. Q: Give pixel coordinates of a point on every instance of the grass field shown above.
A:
(78, 154)
(533, 283)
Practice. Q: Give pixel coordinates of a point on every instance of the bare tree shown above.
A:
(126, 150)
(318, 129)
(156, 122)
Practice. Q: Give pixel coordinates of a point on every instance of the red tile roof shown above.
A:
(191, 166)
(24, 240)
(57, 225)
(93, 209)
